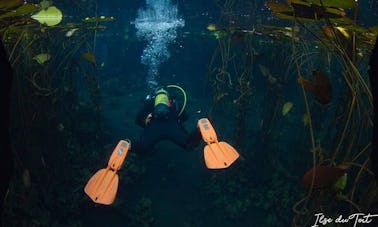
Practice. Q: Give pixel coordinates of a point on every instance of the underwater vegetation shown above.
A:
(50, 111)
(327, 51)
(290, 87)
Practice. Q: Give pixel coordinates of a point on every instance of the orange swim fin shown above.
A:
(218, 155)
(102, 187)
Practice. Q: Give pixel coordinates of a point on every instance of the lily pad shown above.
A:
(50, 16)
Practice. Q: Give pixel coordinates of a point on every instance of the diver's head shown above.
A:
(161, 104)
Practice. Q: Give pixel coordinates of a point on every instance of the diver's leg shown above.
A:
(194, 138)
(178, 134)
(147, 139)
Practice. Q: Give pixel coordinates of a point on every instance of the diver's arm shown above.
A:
(143, 112)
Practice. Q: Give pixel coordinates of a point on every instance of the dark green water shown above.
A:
(171, 186)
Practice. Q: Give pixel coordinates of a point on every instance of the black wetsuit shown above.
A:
(164, 128)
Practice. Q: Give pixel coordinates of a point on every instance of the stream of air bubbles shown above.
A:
(157, 24)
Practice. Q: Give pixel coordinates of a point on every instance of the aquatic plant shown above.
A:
(346, 148)
(320, 35)
(52, 111)
(230, 75)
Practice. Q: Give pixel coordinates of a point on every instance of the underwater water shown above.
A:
(252, 74)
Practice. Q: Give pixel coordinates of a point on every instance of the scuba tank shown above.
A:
(161, 104)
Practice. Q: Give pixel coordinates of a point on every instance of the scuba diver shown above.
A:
(162, 119)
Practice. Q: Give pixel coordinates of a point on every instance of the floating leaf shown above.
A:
(8, 4)
(25, 9)
(98, 19)
(42, 58)
(50, 16)
(286, 108)
(91, 57)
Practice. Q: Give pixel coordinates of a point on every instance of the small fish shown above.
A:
(70, 32)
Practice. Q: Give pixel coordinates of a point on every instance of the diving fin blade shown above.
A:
(102, 187)
(219, 155)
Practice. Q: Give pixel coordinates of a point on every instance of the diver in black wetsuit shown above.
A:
(162, 119)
